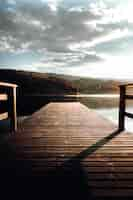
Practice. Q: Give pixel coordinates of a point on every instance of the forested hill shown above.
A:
(92, 85)
(34, 82)
(37, 83)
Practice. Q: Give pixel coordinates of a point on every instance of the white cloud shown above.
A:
(5, 46)
(65, 35)
(12, 2)
(119, 67)
(103, 39)
(53, 4)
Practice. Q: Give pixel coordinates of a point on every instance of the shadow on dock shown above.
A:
(68, 181)
(71, 178)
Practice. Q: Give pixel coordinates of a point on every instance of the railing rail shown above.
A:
(8, 93)
(122, 106)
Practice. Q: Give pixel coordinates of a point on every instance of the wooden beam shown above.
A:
(8, 93)
(128, 96)
(3, 115)
(4, 84)
(12, 109)
(130, 115)
(3, 97)
(122, 108)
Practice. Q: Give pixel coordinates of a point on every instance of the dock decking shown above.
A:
(76, 153)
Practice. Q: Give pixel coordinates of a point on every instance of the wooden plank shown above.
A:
(12, 108)
(3, 115)
(122, 108)
(74, 146)
(8, 92)
(130, 115)
(4, 84)
(129, 84)
(3, 97)
(128, 96)
(101, 193)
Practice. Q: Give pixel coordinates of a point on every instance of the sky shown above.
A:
(92, 38)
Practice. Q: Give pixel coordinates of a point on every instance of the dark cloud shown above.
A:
(7, 24)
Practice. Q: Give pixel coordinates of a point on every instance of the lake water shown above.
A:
(113, 113)
(99, 103)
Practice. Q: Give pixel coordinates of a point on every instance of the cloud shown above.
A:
(64, 31)
(66, 60)
(121, 46)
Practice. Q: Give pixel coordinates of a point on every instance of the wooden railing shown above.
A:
(8, 95)
(122, 105)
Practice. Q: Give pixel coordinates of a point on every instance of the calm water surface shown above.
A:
(112, 112)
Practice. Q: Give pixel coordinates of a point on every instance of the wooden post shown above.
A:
(122, 108)
(12, 109)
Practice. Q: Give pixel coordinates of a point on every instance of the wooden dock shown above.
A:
(66, 151)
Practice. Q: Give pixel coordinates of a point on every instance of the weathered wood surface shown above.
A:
(124, 95)
(5, 84)
(3, 97)
(8, 94)
(3, 115)
(73, 150)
